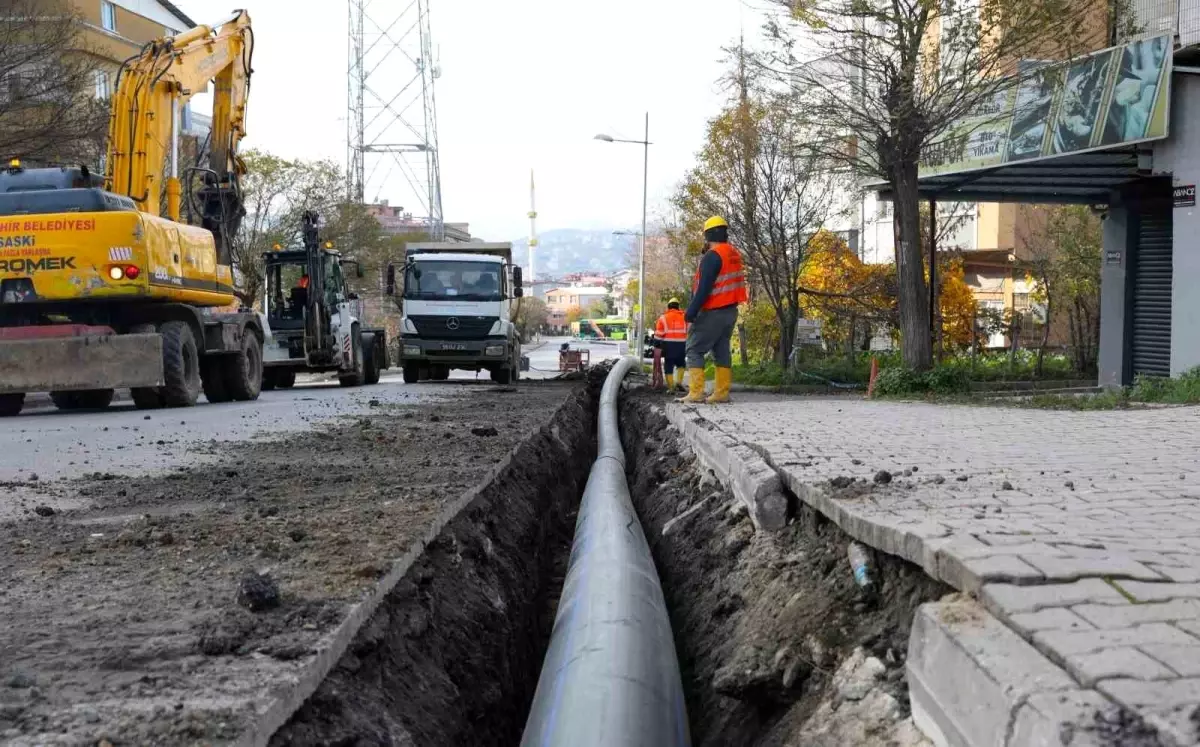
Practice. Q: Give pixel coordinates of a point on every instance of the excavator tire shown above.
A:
(244, 370)
(356, 377)
(148, 397)
(11, 404)
(87, 399)
(212, 377)
(181, 365)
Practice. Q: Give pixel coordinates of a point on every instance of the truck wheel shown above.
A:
(181, 365)
(87, 399)
(244, 370)
(11, 404)
(268, 380)
(439, 373)
(355, 377)
(412, 373)
(370, 361)
(285, 379)
(212, 377)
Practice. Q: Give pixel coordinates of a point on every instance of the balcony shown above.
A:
(1180, 17)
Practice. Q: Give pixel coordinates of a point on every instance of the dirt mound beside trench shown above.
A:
(777, 644)
(122, 620)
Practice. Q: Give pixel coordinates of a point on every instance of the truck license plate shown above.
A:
(453, 346)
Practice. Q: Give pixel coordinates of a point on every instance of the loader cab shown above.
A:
(290, 286)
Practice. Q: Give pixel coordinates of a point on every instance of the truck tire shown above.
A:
(285, 379)
(86, 399)
(370, 360)
(268, 381)
(355, 377)
(11, 404)
(181, 365)
(439, 373)
(212, 377)
(412, 373)
(244, 370)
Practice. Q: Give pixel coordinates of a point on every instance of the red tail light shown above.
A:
(132, 272)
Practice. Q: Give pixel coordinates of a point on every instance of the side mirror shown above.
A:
(518, 291)
(391, 280)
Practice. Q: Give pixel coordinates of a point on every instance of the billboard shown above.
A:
(1114, 97)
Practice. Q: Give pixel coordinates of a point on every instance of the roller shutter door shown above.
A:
(1152, 296)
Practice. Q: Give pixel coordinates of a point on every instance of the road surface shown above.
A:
(43, 447)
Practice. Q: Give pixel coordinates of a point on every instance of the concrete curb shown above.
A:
(288, 699)
(973, 680)
(747, 475)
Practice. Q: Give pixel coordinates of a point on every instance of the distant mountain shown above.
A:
(566, 250)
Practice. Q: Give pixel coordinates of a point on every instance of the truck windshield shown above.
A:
(461, 281)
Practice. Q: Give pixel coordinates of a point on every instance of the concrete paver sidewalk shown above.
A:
(1080, 531)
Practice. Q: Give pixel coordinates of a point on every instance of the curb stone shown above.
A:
(747, 475)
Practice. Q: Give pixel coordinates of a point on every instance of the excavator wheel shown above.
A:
(11, 404)
(244, 370)
(87, 399)
(181, 365)
(212, 377)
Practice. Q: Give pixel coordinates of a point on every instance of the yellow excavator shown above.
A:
(98, 291)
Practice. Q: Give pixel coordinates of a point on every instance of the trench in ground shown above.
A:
(768, 626)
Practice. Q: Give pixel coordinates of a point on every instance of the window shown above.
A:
(108, 15)
(102, 90)
(884, 210)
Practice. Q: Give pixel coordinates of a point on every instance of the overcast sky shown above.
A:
(524, 84)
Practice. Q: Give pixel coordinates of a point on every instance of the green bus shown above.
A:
(612, 328)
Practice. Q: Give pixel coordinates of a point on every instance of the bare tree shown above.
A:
(888, 78)
(49, 110)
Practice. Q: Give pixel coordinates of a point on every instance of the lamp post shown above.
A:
(641, 325)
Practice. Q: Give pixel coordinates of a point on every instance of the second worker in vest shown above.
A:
(671, 332)
(718, 288)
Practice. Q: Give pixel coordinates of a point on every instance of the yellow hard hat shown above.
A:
(673, 300)
(715, 222)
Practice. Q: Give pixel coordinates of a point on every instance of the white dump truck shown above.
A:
(458, 303)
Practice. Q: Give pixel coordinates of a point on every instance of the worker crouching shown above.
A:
(670, 335)
(718, 288)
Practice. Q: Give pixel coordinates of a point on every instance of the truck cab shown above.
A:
(458, 302)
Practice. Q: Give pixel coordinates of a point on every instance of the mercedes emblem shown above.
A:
(452, 323)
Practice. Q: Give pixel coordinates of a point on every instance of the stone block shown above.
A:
(1126, 616)
(1046, 720)
(1108, 663)
(1184, 659)
(1149, 591)
(1069, 569)
(1010, 599)
(968, 673)
(969, 574)
(1065, 643)
(1168, 705)
(1051, 618)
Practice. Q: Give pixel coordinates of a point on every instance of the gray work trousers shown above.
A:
(711, 333)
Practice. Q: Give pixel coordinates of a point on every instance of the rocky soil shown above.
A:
(778, 645)
(171, 607)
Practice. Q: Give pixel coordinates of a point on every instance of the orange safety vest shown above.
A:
(730, 286)
(303, 281)
(671, 326)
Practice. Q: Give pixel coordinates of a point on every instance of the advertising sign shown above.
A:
(1114, 97)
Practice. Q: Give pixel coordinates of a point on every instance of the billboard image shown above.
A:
(1113, 97)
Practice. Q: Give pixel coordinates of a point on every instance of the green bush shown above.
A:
(1184, 389)
(899, 382)
(947, 380)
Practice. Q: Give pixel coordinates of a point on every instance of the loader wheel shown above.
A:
(11, 404)
(356, 377)
(285, 379)
(244, 371)
(87, 399)
(370, 361)
(181, 365)
(212, 376)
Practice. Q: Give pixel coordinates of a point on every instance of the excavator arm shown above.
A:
(144, 130)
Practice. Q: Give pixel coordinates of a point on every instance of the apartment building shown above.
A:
(115, 30)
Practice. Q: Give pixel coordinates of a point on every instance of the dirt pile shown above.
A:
(777, 644)
(123, 621)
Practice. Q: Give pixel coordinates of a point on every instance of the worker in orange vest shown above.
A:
(718, 288)
(670, 334)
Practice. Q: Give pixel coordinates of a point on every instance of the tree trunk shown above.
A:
(915, 344)
(745, 356)
(1041, 355)
(787, 334)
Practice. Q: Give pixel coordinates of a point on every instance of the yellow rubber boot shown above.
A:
(679, 379)
(695, 386)
(721, 389)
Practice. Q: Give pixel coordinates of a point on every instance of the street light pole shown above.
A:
(641, 334)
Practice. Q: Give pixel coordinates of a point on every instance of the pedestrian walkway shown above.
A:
(1079, 530)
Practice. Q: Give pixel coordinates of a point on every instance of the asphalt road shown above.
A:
(44, 446)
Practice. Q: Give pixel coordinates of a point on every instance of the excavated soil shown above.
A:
(777, 644)
(173, 607)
